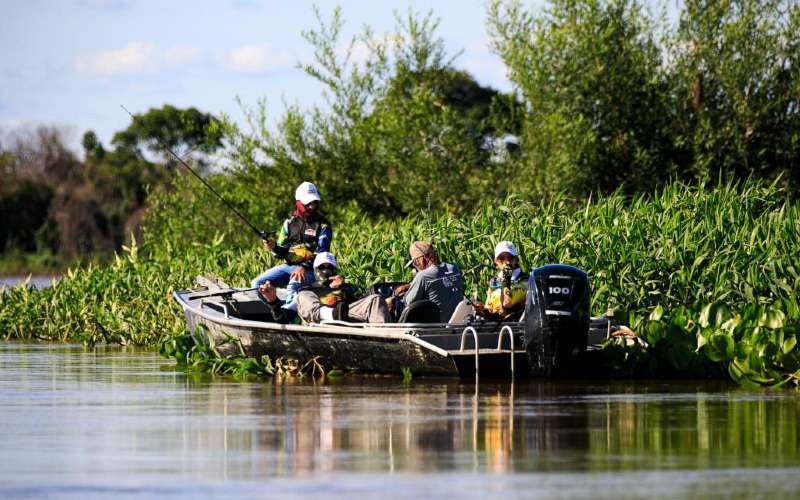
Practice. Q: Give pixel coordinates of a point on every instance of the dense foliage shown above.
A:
(599, 111)
(606, 96)
(398, 126)
(616, 97)
(55, 205)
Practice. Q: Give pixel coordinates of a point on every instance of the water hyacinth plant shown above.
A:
(664, 256)
(754, 346)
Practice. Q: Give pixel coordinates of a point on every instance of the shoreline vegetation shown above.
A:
(707, 277)
(662, 159)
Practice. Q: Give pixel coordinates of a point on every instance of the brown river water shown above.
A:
(114, 422)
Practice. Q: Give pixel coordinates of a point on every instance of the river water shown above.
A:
(84, 423)
(34, 281)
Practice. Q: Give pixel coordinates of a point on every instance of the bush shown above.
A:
(598, 113)
(398, 127)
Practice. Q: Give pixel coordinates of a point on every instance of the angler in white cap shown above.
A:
(505, 299)
(301, 237)
(330, 298)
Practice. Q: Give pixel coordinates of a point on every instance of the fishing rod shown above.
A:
(264, 235)
(230, 291)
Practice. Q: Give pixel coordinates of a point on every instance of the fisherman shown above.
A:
(332, 299)
(439, 282)
(505, 299)
(301, 237)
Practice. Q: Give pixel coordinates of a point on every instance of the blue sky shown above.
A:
(71, 63)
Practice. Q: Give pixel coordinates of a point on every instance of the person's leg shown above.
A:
(294, 287)
(278, 275)
(308, 306)
(370, 309)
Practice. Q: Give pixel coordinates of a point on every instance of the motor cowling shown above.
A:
(556, 318)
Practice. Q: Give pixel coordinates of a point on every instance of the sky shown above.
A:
(72, 63)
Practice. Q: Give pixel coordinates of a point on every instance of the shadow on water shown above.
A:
(121, 417)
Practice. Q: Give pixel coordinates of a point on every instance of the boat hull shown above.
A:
(437, 350)
(345, 352)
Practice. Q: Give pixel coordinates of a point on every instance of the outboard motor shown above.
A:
(556, 317)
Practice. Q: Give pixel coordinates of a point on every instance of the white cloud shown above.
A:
(486, 67)
(182, 54)
(359, 52)
(487, 70)
(136, 57)
(258, 58)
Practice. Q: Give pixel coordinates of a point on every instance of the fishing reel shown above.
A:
(266, 235)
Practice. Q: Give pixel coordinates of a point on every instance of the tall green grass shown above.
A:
(680, 249)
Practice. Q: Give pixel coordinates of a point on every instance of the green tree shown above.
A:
(399, 125)
(119, 179)
(598, 114)
(182, 130)
(737, 82)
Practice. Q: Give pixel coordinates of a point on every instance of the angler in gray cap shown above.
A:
(439, 282)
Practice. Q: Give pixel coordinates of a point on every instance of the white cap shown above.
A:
(306, 193)
(505, 247)
(324, 258)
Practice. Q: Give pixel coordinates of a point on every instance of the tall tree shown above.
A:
(590, 75)
(737, 82)
(182, 130)
(400, 124)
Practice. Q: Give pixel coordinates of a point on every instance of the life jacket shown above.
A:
(331, 296)
(517, 292)
(302, 239)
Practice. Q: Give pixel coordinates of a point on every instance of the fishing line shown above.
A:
(261, 234)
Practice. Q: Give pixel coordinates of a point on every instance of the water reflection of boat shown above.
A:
(551, 336)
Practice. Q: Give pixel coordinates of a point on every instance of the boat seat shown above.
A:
(420, 311)
(385, 290)
(461, 313)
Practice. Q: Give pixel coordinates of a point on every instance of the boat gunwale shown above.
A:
(421, 327)
(326, 329)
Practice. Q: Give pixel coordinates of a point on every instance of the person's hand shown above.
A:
(479, 308)
(336, 281)
(269, 244)
(506, 302)
(299, 274)
(269, 292)
(401, 290)
(390, 304)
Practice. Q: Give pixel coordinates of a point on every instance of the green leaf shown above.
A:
(657, 313)
(656, 331)
(705, 315)
(789, 344)
(701, 341)
(720, 347)
(730, 325)
(773, 318)
(748, 384)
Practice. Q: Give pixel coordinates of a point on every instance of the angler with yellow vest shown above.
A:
(505, 299)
